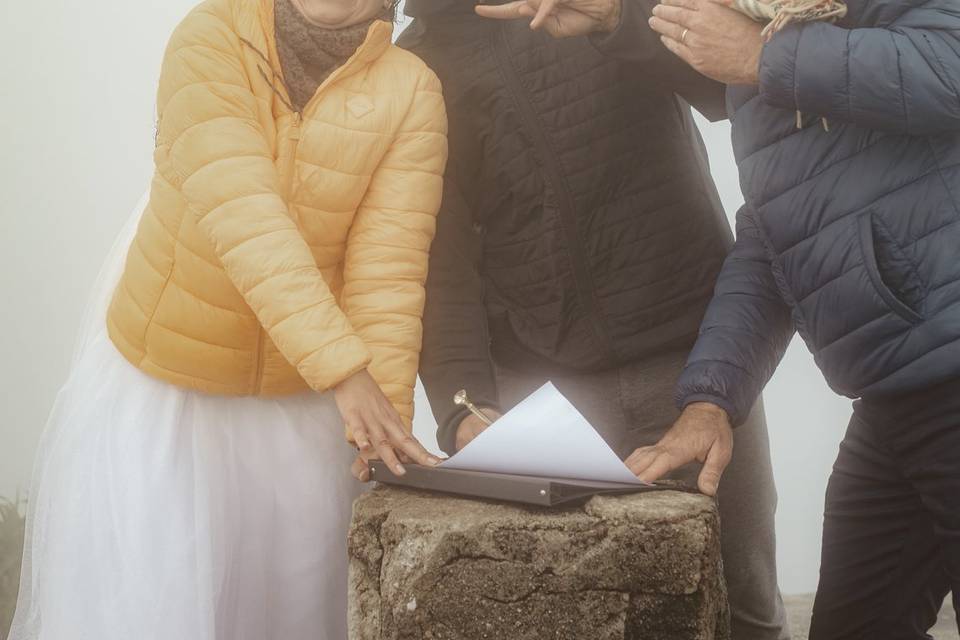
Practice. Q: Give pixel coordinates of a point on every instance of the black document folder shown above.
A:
(546, 492)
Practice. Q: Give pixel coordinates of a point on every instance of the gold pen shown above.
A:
(462, 400)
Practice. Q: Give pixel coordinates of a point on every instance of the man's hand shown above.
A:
(560, 18)
(702, 433)
(719, 42)
(472, 426)
(376, 426)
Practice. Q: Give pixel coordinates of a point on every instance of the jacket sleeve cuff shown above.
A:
(447, 430)
(444, 372)
(720, 383)
(719, 401)
(778, 69)
(325, 368)
(804, 68)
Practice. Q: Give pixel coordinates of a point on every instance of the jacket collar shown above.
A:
(378, 41)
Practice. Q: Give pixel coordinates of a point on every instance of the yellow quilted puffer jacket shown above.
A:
(282, 251)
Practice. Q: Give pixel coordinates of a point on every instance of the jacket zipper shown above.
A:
(273, 79)
(553, 173)
(258, 362)
(290, 169)
(292, 155)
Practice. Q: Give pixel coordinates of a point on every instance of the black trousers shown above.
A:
(891, 537)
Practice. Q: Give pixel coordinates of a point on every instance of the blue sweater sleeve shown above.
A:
(744, 334)
(903, 78)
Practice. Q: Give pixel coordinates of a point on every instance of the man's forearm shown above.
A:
(456, 340)
(745, 332)
(456, 347)
(442, 378)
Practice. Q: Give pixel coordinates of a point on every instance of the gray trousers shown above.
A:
(633, 407)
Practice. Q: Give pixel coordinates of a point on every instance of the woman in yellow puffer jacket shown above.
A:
(194, 479)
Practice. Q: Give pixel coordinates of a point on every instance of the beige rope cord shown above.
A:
(780, 13)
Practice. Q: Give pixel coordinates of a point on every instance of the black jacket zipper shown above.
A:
(553, 173)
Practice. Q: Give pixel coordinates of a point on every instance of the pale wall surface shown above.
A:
(77, 131)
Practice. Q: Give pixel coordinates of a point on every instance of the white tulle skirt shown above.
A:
(162, 513)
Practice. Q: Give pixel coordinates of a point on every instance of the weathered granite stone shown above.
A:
(639, 567)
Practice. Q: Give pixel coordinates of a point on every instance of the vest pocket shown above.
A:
(891, 272)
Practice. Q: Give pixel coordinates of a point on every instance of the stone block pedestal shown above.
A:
(638, 567)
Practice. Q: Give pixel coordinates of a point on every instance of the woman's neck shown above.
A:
(337, 14)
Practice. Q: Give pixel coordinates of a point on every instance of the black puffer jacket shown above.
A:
(580, 229)
(851, 234)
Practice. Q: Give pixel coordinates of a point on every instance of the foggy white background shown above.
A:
(76, 130)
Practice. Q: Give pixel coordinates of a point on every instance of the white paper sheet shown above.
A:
(544, 435)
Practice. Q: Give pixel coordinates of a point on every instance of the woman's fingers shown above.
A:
(360, 469)
(402, 440)
(390, 438)
(360, 435)
(408, 445)
(382, 445)
(375, 424)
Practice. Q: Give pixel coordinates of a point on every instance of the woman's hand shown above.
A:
(559, 18)
(376, 426)
(719, 42)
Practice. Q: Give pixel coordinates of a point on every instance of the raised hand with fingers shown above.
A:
(376, 426)
(559, 18)
(701, 434)
(719, 42)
